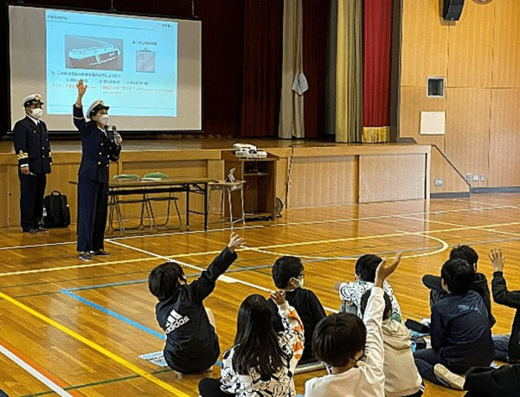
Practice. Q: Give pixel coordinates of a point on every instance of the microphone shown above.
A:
(117, 137)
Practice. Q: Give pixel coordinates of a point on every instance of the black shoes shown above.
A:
(100, 252)
(43, 229)
(33, 231)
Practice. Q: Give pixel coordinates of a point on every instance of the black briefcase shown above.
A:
(56, 211)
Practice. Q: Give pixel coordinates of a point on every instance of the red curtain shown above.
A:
(377, 32)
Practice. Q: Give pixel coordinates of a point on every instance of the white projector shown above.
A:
(248, 151)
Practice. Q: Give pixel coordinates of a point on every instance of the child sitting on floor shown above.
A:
(288, 275)
(507, 347)
(350, 292)
(262, 362)
(401, 375)
(479, 285)
(191, 341)
(460, 330)
(341, 341)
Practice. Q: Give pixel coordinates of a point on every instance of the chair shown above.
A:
(228, 187)
(116, 201)
(168, 197)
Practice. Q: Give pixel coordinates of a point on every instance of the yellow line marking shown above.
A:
(96, 347)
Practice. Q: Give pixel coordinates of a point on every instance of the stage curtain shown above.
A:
(315, 40)
(262, 63)
(291, 102)
(349, 71)
(377, 31)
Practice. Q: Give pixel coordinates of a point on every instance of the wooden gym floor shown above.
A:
(78, 328)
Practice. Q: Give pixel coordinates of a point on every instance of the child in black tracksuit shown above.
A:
(191, 341)
(288, 275)
(507, 347)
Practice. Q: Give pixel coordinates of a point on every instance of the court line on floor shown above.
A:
(428, 232)
(95, 346)
(272, 225)
(37, 373)
(98, 383)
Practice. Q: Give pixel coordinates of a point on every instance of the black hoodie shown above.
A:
(511, 299)
(191, 342)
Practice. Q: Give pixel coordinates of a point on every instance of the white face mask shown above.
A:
(103, 120)
(36, 113)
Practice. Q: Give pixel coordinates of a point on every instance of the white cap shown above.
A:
(98, 103)
(32, 98)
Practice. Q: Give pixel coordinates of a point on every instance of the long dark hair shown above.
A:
(256, 342)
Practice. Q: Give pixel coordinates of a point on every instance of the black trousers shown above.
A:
(209, 387)
(92, 214)
(491, 382)
(32, 190)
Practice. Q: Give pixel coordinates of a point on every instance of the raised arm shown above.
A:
(77, 110)
(499, 286)
(205, 284)
(292, 324)
(374, 316)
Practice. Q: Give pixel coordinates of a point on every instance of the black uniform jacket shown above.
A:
(98, 149)
(31, 144)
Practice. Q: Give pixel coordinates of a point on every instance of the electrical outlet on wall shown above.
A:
(438, 182)
(475, 177)
(468, 177)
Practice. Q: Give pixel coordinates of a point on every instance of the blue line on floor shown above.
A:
(113, 314)
(118, 316)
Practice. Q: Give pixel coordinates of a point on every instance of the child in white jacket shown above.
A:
(341, 341)
(401, 375)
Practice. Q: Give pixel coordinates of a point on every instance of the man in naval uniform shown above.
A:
(31, 144)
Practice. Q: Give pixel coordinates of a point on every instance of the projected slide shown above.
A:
(131, 63)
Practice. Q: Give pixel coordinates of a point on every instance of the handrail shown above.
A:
(453, 166)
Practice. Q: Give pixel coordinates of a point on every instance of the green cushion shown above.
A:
(127, 177)
(156, 175)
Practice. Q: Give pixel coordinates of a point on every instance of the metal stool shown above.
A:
(227, 187)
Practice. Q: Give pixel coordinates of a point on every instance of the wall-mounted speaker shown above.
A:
(452, 9)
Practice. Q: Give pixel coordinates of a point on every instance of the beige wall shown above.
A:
(480, 58)
(320, 176)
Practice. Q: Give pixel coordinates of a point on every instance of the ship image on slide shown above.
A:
(89, 53)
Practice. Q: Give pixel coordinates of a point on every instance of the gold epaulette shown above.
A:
(22, 155)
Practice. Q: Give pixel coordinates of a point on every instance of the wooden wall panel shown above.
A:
(467, 132)
(323, 181)
(504, 159)
(4, 195)
(413, 101)
(482, 55)
(424, 42)
(506, 46)
(470, 44)
(387, 178)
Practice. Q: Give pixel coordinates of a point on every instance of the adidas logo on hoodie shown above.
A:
(174, 321)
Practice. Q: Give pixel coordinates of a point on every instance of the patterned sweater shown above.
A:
(352, 292)
(280, 384)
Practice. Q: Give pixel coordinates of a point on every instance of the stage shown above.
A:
(309, 173)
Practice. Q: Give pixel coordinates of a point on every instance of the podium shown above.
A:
(260, 184)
